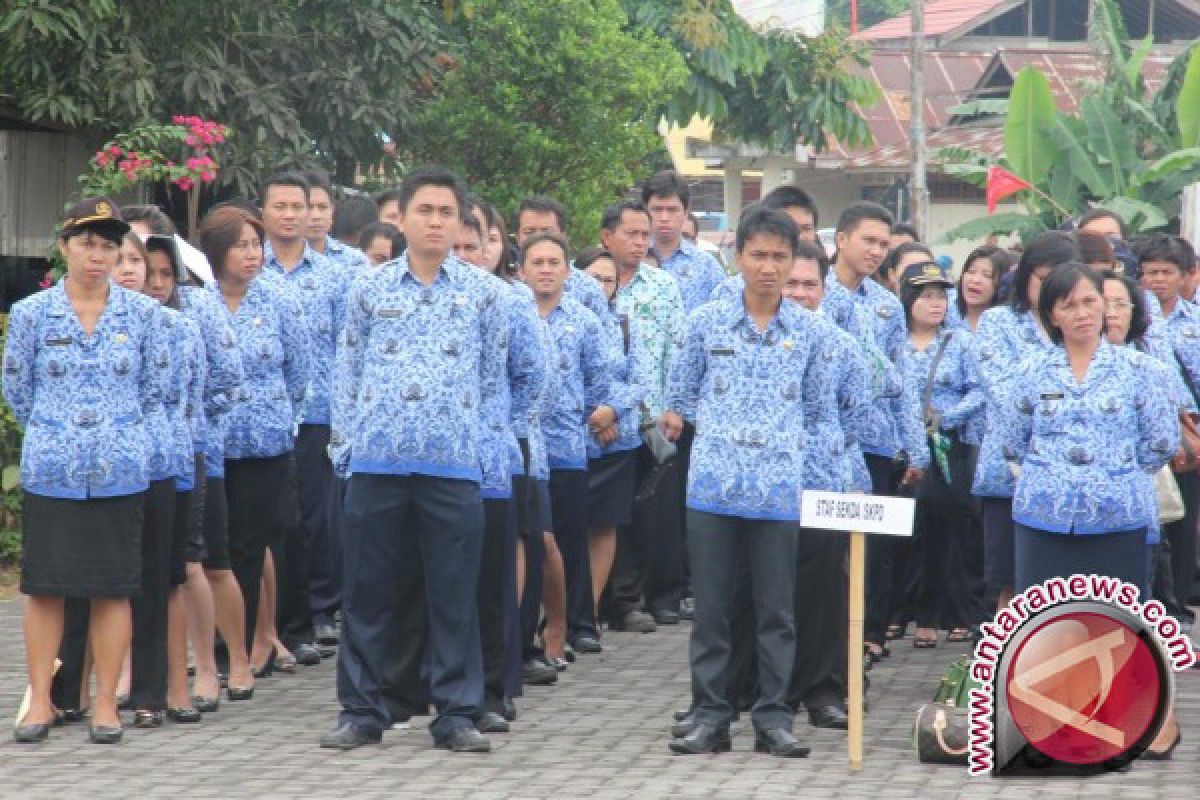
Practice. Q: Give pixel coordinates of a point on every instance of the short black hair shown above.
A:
(351, 215)
(387, 196)
(432, 175)
(900, 251)
(319, 179)
(1103, 213)
(157, 219)
(1000, 264)
(543, 205)
(758, 220)
(470, 221)
(790, 196)
(1045, 250)
(1165, 247)
(538, 238)
(811, 251)
(904, 229)
(855, 214)
(1059, 284)
(385, 230)
(613, 213)
(667, 183)
(909, 294)
(1139, 323)
(288, 178)
(590, 254)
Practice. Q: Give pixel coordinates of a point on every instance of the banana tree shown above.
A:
(1125, 150)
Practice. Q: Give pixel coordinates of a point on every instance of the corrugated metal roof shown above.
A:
(941, 17)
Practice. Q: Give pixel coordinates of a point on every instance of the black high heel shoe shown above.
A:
(206, 705)
(32, 734)
(235, 694)
(266, 669)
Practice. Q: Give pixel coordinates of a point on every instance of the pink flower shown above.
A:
(114, 150)
(102, 158)
(184, 183)
(190, 140)
(208, 177)
(178, 119)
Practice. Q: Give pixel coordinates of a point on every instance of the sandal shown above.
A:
(925, 642)
(958, 635)
(895, 631)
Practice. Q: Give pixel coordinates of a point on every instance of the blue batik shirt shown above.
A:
(84, 399)
(272, 338)
(223, 373)
(320, 289)
(579, 383)
(344, 256)
(957, 393)
(1182, 332)
(736, 384)
(184, 395)
(875, 318)
(1087, 450)
(418, 368)
(1003, 339)
(625, 396)
(696, 272)
(583, 288)
(837, 413)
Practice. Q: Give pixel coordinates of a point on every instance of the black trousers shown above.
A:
(568, 502)
(1180, 540)
(421, 536)
(717, 544)
(496, 593)
(253, 488)
(666, 582)
(821, 612)
(320, 506)
(943, 596)
(290, 549)
(148, 651)
(531, 534)
(886, 560)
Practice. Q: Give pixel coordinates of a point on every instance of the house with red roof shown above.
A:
(974, 48)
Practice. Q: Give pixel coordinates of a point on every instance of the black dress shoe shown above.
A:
(682, 727)
(184, 716)
(537, 672)
(105, 734)
(326, 650)
(327, 635)
(307, 655)
(681, 714)
(464, 740)
(491, 722)
(70, 715)
(206, 705)
(687, 608)
(666, 617)
(830, 716)
(588, 644)
(31, 734)
(704, 738)
(235, 694)
(147, 719)
(779, 742)
(347, 737)
(508, 709)
(636, 622)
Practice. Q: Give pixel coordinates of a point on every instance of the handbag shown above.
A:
(941, 730)
(1170, 499)
(939, 445)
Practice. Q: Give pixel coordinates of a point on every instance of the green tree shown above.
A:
(299, 81)
(869, 12)
(772, 87)
(552, 98)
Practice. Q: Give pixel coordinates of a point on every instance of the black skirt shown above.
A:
(82, 548)
(610, 489)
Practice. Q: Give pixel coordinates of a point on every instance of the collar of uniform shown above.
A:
(60, 304)
(789, 316)
(445, 269)
(1182, 309)
(685, 250)
(332, 245)
(307, 259)
(1102, 359)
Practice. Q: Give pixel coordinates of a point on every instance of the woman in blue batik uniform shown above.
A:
(81, 373)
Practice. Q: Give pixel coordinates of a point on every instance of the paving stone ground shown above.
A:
(600, 734)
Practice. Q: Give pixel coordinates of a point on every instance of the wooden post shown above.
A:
(854, 672)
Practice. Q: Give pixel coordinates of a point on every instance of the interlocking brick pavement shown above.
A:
(600, 734)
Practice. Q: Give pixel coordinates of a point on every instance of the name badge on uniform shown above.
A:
(884, 311)
(1052, 395)
(390, 312)
(1190, 332)
(721, 351)
(59, 342)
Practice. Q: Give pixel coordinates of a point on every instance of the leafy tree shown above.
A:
(553, 98)
(297, 80)
(772, 87)
(869, 12)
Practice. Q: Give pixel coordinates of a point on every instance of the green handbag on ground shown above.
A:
(941, 730)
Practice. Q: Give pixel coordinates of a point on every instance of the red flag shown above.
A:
(1000, 184)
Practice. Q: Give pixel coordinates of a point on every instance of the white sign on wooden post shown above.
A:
(857, 514)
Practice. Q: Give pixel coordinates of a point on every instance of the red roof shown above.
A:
(941, 17)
